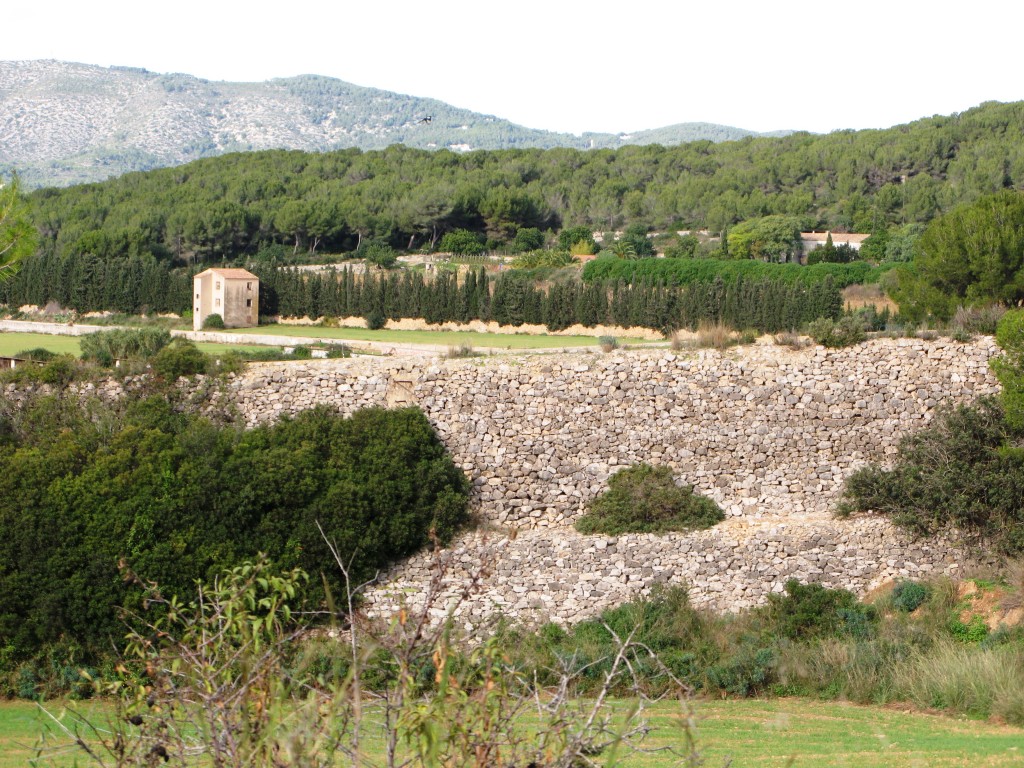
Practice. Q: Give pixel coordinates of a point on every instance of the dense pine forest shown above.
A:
(130, 243)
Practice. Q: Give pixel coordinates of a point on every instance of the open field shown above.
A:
(13, 343)
(799, 732)
(440, 338)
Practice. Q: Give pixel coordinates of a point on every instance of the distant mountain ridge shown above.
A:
(64, 123)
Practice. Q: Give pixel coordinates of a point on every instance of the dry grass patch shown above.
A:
(859, 296)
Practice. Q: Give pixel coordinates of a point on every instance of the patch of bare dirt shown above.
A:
(989, 602)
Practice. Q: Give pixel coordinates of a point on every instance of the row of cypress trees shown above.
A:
(140, 284)
(765, 304)
(88, 283)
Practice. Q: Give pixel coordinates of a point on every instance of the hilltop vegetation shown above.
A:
(65, 123)
(230, 206)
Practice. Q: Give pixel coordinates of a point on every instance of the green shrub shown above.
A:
(182, 358)
(213, 322)
(178, 498)
(375, 320)
(845, 332)
(38, 354)
(646, 499)
(461, 242)
(960, 473)
(104, 347)
(1009, 367)
(811, 610)
(747, 670)
(972, 631)
(380, 255)
(908, 596)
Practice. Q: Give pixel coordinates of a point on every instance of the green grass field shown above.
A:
(13, 343)
(440, 338)
(798, 732)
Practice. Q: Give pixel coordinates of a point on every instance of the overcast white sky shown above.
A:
(574, 66)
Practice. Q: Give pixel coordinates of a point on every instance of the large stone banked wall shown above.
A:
(770, 433)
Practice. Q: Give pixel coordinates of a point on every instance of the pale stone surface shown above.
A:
(768, 432)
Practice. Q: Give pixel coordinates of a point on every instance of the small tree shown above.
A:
(379, 255)
(462, 242)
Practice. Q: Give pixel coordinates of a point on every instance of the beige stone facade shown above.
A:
(234, 294)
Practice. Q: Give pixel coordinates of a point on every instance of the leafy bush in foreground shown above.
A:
(646, 499)
(178, 498)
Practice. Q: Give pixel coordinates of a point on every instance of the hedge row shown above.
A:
(688, 271)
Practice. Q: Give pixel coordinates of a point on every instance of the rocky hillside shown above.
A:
(63, 123)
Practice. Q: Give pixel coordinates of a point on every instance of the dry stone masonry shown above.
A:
(769, 433)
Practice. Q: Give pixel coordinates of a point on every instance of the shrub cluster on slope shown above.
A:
(961, 472)
(646, 499)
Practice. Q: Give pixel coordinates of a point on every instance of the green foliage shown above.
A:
(973, 255)
(214, 322)
(462, 242)
(1009, 367)
(38, 354)
(180, 358)
(748, 670)
(678, 272)
(18, 237)
(773, 238)
(104, 347)
(961, 473)
(973, 631)
(841, 254)
(646, 499)
(583, 248)
(541, 259)
(380, 255)
(375, 320)
(527, 239)
(811, 610)
(665, 623)
(572, 237)
(685, 247)
(636, 242)
(845, 332)
(908, 596)
(178, 498)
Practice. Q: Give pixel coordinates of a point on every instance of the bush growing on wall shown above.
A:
(962, 472)
(646, 499)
